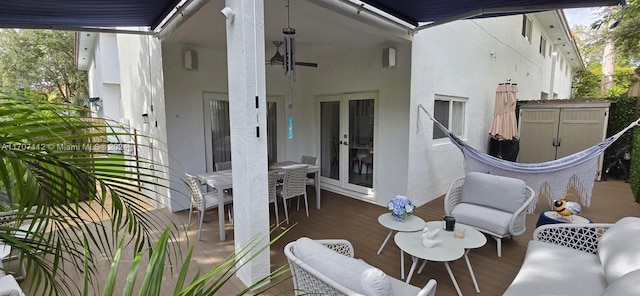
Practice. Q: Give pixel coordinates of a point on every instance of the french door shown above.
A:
(217, 134)
(347, 129)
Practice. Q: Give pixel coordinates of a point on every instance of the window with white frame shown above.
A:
(526, 27)
(543, 46)
(450, 112)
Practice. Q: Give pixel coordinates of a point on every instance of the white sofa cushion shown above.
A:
(401, 288)
(503, 193)
(629, 284)
(344, 270)
(550, 269)
(618, 248)
(490, 219)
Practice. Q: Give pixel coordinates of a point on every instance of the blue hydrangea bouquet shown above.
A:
(400, 208)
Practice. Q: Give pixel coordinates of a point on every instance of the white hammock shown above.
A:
(551, 178)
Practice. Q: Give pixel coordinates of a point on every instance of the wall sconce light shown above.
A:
(228, 13)
(145, 118)
(493, 54)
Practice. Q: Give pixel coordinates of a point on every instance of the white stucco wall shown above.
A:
(142, 90)
(184, 106)
(104, 81)
(108, 47)
(464, 66)
(363, 72)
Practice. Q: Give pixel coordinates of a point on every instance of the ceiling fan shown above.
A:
(278, 58)
(288, 60)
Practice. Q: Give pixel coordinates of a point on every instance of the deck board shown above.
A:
(356, 221)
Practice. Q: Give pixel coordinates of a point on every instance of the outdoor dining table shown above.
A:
(222, 180)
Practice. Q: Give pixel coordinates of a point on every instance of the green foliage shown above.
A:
(621, 114)
(208, 284)
(42, 60)
(627, 33)
(591, 41)
(634, 169)
(56, 180)
(87, 204)
(587, 84)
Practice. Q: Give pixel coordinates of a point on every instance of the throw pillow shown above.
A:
(618, 248)
(376, 283)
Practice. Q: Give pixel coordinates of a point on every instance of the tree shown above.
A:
(627, 33)
(608, 72)
(42, 60)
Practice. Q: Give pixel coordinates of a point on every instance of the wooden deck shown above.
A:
(356, 221)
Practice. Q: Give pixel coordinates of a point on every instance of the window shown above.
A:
(526, 27)
(561, 63)
(544, 96)
(450, 112)
(543, 46)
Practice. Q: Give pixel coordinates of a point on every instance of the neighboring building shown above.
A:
(454, 68)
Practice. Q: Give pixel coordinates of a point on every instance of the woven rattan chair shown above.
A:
(203, 202)
(309, 281)
(273, 198)
(294, 185)
(223, 165)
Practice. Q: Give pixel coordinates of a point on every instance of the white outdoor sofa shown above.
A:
(492, 204)
(9, 286)
(581, 259)
(327, 267)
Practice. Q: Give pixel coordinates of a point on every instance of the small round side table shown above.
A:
(551, 217)
(411, 224)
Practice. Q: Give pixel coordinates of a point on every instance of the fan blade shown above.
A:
(315, 65)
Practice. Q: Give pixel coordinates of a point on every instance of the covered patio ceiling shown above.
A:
(80, 14)
(320, 32)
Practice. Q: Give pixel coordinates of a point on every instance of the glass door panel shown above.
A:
(361, 142)
(330, 139)
(346, 141)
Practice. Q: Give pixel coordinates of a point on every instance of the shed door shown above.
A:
(579, 129)
(538, 131)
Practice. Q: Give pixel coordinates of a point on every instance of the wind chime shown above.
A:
(289, 65)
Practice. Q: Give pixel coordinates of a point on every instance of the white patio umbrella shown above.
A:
(504, 126)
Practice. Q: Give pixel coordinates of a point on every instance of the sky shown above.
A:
(579, 16)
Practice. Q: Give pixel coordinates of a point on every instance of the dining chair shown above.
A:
(223, 165)
(295, 185)
(273, 181)
(310, 160)
(203, 202)
(368, 162)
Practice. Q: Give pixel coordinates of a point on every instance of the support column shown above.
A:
(247, 112)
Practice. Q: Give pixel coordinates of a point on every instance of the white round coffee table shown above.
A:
(449, 249)
(412, 223)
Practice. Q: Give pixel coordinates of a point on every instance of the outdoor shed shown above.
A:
(551, 130)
